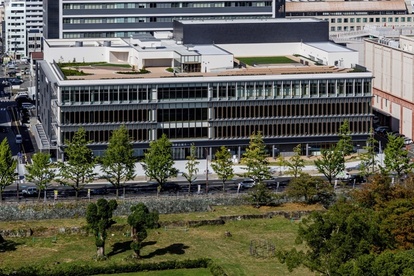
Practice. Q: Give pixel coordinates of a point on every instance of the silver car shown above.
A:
(247, 183)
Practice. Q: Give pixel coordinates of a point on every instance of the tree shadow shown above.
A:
(148, 243)
(120, 247)
(175, 248)
(6, 246)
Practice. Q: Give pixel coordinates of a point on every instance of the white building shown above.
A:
(23, 27)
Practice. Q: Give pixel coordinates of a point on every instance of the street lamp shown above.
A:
(206, 151)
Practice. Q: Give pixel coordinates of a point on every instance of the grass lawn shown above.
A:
(175, 243)
(265, 60)
(176, 272)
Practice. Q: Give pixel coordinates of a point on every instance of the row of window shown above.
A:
(358, 13)
(370, 20)
(295, 129)
(105, 116)
(219, 113)
(167, 5)
(292, 110)
(235, 131)
(249, 90)
(102, 136)
(134, 19)
(105, 34)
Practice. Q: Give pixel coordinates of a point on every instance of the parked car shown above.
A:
(15, 81)
(29, 191)
(356, 179)
(247, 183)
(170, 187)
(408, 141)
(382, 129)
(28, 106)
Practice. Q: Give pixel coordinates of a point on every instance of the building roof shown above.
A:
(337, 6)
(37, 55)
(329, 47)
(250, 21)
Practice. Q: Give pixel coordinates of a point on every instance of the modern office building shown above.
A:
(202, 94)
(23, 27)
(344, 16)
(392, 63)
(106, 19)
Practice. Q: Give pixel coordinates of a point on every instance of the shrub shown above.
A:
(75, 269)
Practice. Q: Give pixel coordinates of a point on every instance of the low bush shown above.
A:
(95, 268)
(141, 71)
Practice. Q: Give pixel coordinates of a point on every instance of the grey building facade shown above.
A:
(91, 19)
(254, 31)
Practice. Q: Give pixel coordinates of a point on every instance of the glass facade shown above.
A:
(217, 110)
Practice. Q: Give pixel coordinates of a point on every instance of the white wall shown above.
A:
(214, 62)
(261, 50)
(343, 59)
(407, 122)
(80, 54)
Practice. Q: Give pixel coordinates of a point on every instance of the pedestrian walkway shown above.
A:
(203, 168)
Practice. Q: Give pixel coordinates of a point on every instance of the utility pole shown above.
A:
(206, 150)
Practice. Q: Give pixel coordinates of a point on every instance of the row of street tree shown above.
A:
(118, 162)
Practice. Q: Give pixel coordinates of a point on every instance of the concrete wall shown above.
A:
(215, 62)
(262, 49)
(393, 83)
(342, 59)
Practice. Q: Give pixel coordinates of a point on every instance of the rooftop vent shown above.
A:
(107, 43)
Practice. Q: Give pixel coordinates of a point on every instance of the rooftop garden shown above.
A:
(265, 60)
(73, 68)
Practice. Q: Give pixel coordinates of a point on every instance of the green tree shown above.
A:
(281, 162)
(310, 188)
(118, 163)
(345, 144)
(8, 166)
(140, 220)
(223, 165)
(78, 170)
(296, 163)
(331, 163)
(342, 234)
(40, 172)
(367, 158)
(99, 219)
(396, 159)
(255, 159)
(158, 162)
(191, 167)
(260, 195)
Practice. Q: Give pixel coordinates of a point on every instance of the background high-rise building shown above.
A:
(23, 25)
(92, 19)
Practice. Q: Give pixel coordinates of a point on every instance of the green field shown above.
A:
(163, 244)
(265, 60)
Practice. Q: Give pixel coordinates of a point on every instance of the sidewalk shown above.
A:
(277, 171)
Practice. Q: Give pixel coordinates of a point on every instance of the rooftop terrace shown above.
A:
(97, 72)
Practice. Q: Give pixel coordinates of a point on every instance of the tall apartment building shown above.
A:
(22, 27)
(109, 18)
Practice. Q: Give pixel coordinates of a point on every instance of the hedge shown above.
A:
(76, 269)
